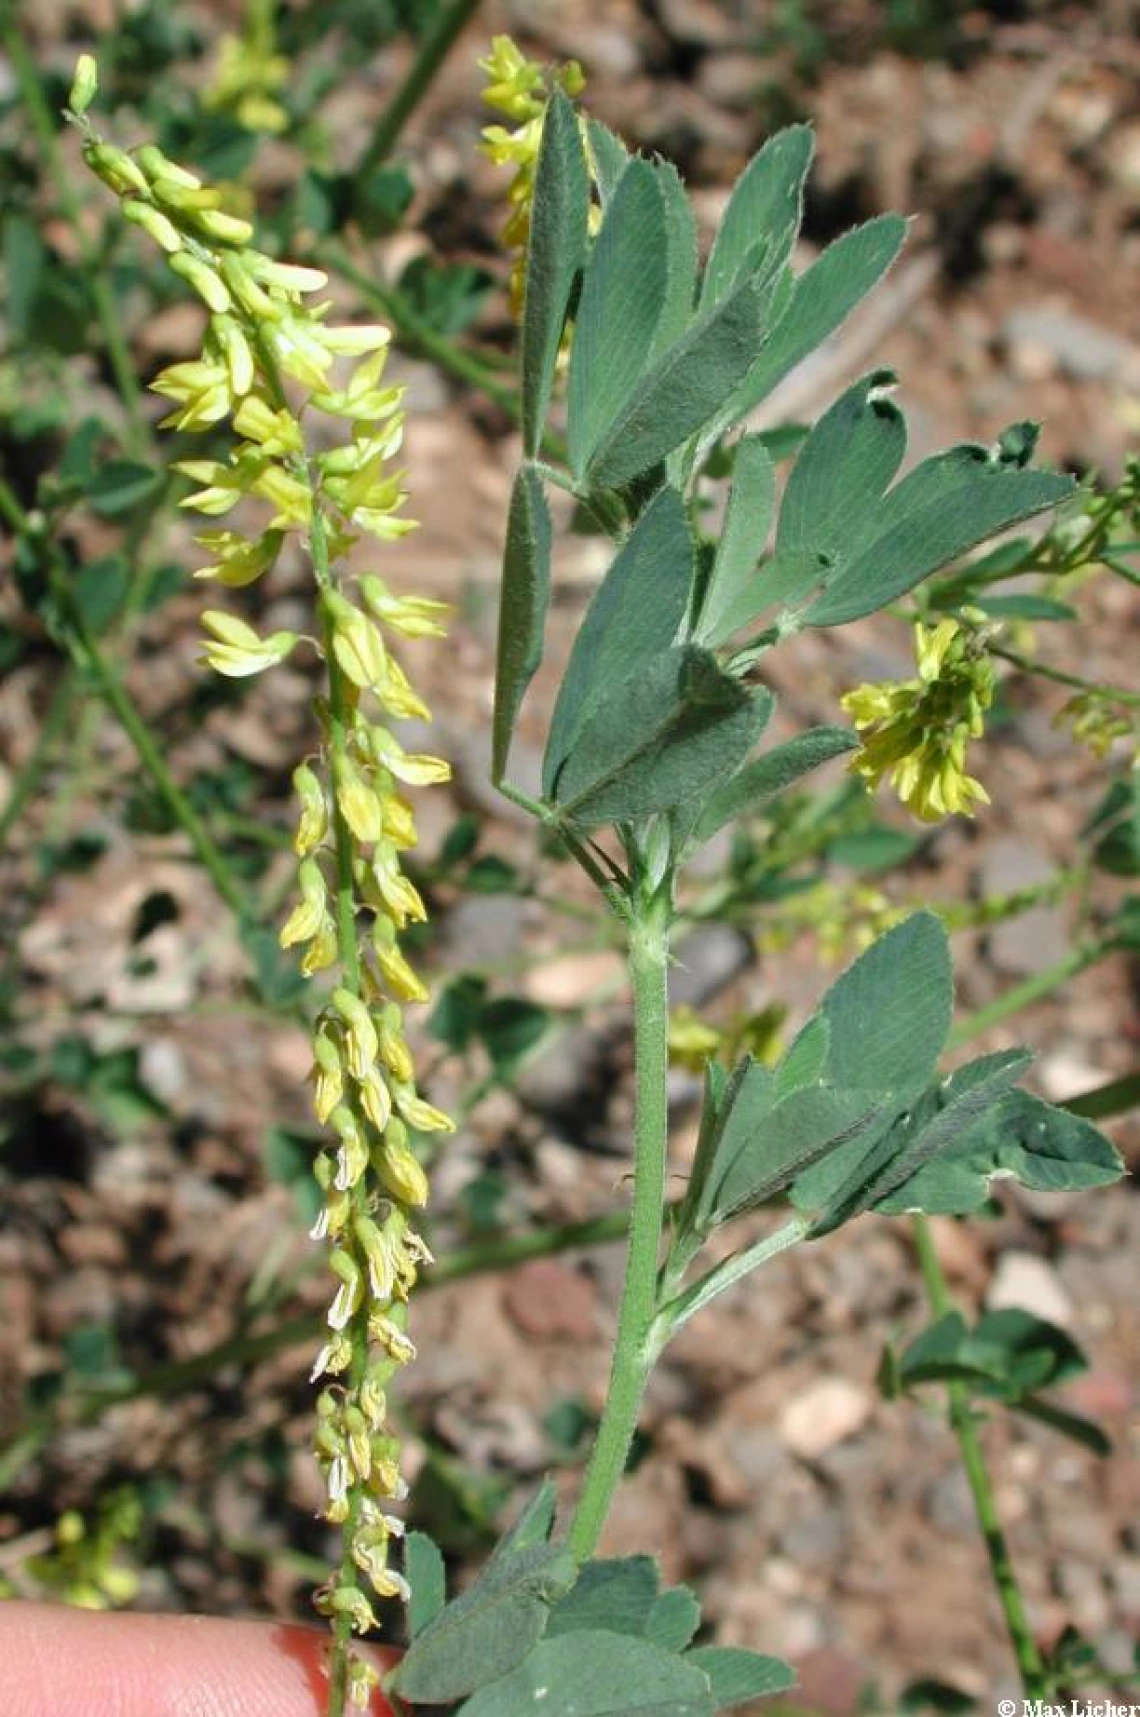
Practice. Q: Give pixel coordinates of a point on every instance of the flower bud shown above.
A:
(115, 167)
(207, 284)
(401, 1173)
(313, 823)
(84, 84)
(155, 224)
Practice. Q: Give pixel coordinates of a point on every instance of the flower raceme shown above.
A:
(518, 88)
(917, 731)
(271, 360)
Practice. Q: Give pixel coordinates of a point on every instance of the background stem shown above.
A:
(634, 1350)
(963, 1422)
(434, 49)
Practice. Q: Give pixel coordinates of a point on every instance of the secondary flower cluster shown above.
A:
(519, 90)
(355, 821)
(917, 730)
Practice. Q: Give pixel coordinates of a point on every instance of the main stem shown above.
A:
(634, 1353)
(1031, 1668)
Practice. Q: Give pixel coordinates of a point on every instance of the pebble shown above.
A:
(824, 1414)
(1052, 340)
(1029, 1283)
(707, 960)
(548, 1300)
(1032, 940)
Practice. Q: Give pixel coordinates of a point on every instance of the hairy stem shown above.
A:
(634, 1349)
(1031, 1668)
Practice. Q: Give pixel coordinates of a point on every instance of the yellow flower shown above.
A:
(237, 650)
(519, 89)
(918, 730)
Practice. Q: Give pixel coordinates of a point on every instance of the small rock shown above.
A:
(480, 928)
(162, 1069)
(1101, 1394)
(1032, 940)
(1126, 1583)
(707, 960)
(1082, 1588)
(1072, 344)
(730, 80)
(816, 1539)
(830, 1682)
(1029, 1283)
(949, 1505)
(1123, 159)
(549, 1301)
(572, 980)
(824, 1414)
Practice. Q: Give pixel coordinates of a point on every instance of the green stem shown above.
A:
(434, 49)
(1023, 995)
(963, 1421)
(634, 1348)
(134, 725)
(102, 293)
(418, 335)
(1031, 665)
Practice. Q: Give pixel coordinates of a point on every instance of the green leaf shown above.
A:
(121, 485)
(760, 1155)
(889, 1013)
(511, 1027)
(674, 1618)
(833, 495)
(684, 387)
(596, 1674)
(636, 614)
(681, 244)
(772, 773)
(656, 740)
(1023, 607)
(944, 507)
(804, 1061)
(1075, 1426)
(1043, 1148)
(760, 223)
(534, 1525)
(523, 603)
(427, 1577)
(737, 1675)
(616, 1596)
(927, 1130)
(99, 591)
(1008, 1353)
(623, 294)
(929, 1698)
(730, 599)
(555, 252)
(489, 1628)
(821, 298)
(610, 157)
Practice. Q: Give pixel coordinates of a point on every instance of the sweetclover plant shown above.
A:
(640, 363)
